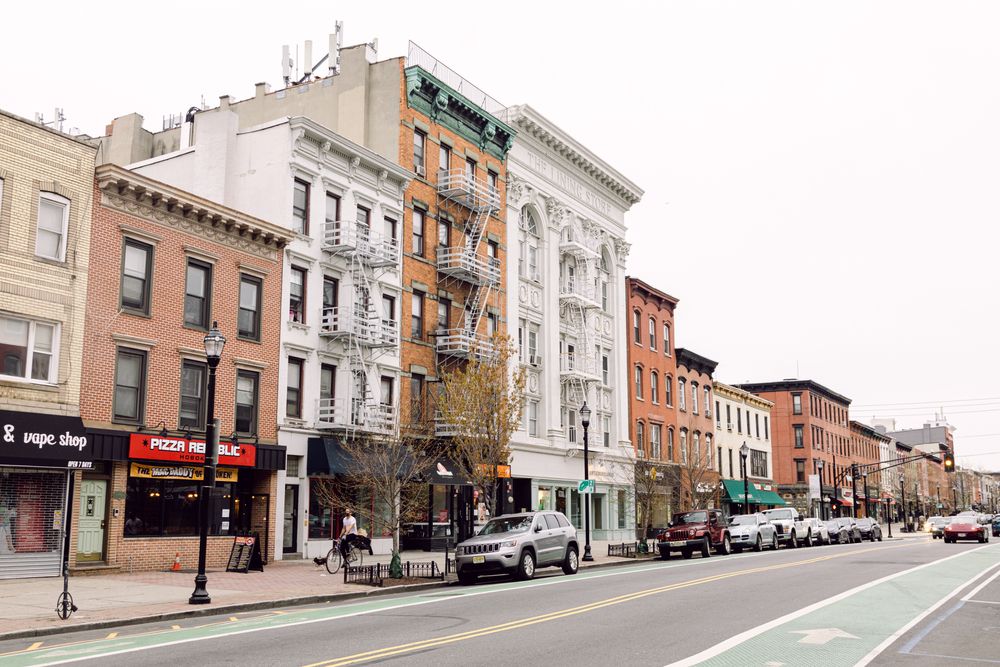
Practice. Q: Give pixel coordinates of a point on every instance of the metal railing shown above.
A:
(458, 185)
(417, 57)
(366, 326)
(578, 365)
(637, 549)
(355, 414)
(370, 575)
(461, 343)
(349, 237)
(465, 264)
(579, 289)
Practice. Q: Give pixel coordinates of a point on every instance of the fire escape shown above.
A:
(472, 202)
(364, 333)
(578, 298)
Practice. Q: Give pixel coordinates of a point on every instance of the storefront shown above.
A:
(36, 453)
(153, 484)
(761, 496)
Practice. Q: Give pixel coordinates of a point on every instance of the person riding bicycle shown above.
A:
(348, 532)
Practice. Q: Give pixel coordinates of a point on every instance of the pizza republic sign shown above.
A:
(183, 450)
(29, 438)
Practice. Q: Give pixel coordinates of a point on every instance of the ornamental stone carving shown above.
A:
(621, 249)
(515, 189)
(557, 213)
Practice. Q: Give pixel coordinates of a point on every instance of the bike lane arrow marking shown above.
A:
(822, 635)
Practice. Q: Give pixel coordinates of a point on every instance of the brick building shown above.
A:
(695, 453)
(173, 264)
(865, 450)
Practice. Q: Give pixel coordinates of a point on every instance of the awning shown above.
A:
(326, 457)
(35, 439)
(734, 491)
(845, 503)
(770, 498)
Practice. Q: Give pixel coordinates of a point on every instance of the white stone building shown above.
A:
(566, 304)
(341, 290)
(742, 417)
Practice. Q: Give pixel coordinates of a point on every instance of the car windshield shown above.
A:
(507, 524)
(864, 523)
(937, 519)
(961, 519)
(845, 522)
(744, 520)
(689, 517)
(832, 523)
(779, 514)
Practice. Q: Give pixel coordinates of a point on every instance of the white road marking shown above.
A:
(980, 587)
(983, 601)
(822, 636)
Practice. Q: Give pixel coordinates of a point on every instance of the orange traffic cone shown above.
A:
(176, 567)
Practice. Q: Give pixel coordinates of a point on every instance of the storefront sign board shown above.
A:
(151, 447)
(194, 474)
(30, 438)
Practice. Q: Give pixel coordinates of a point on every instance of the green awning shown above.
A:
(770, 498)
(734, 493)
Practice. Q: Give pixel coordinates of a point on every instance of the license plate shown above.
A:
(678, 544)
(961, 534)
(478, 559)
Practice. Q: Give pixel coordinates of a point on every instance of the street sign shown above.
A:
(940, 506)
(585, 486)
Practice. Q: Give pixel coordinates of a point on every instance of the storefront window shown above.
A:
(574, 501)
(320, 520)
(544, 498)
(622, 506)
(30, 502)
(597, 510)
(169, 507)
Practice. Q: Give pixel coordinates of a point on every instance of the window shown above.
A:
(194, 383)
(606, 429)
(731, 464)
(417, 315)
(800, 471)
(654, 440)
(605, 370)
(622, 507)
(331, 294)
(130, 386)
(533, 340)
(708, 401)
(444, 157)
(470, 170)
(798, 436)
(719, 459)
(297, 295)
(137, 265)
(652, 334)
(796, 404)
(640, 438)
(50, 236)
(668, 390)
(666, 339)
(327, 383)
(300, 207)
(293, 394)
(444, 230)
(636, 332)
(670, 444)
(739, 420)
(681, 394)
(197, 294)
(444, 314)
(638, 382)
(419, 140)
(416, 398)
(491, 324)
(708, 450)
(694, 398)
(696, 445)
(571, 425)
(363, 217)
(684, 446)
(604, 296)
(389, 308)
(389, 230)
(766, 434)
(756, 423)
(748, 421)
(493, 180)
(29, 349)
(533, 272)
(654, 387)
(533, 418)
(169, 508)
(249, 316)
(332, 209)
(417, 241)
(718, 416)
(246, 402)
(493, 252)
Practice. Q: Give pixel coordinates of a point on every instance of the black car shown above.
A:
(870, 530)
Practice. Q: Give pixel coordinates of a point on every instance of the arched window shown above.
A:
(708, 401)
(654, 441)
(681, 394)
(636, 330)
(602, 281)
(708, 450)
(527, 260)
(670, 443)
(668, 390)
(684, 445)
(640, 438)
(696, 446)
(694, 398)
(652, 333)
(654, 387)
(638, 382)
(666, 339)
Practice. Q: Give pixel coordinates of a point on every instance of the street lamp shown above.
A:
(744, 452)
(214, 342)
(819, 468)
(854, 489)
(864, 476)
(585, 421)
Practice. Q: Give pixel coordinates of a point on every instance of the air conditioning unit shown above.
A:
(535, 359)
(421, 171)
(708, 413)
(729, 426)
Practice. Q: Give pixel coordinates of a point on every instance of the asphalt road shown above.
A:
(898, 602)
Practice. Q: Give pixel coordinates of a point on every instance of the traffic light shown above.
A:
(949, 461)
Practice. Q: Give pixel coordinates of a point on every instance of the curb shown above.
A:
(253, 606)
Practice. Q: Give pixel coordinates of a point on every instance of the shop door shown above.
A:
(90, 541)
(290, 534)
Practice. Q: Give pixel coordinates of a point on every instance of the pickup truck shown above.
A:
(700, 530)
(793, 529)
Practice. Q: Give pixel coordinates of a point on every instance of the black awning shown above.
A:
(326, 457)
(270, 457)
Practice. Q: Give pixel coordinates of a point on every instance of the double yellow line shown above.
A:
(392, 651)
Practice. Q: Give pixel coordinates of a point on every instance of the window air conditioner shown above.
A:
(421, 171)
(535, 360)
(729, 426)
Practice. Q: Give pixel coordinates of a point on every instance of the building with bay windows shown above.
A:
(567, 301)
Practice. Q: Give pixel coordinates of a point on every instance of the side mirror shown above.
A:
(538, 528)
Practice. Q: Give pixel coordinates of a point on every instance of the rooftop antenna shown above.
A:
(286, 64)
(308, 60)
(336, 39)
(56, 123)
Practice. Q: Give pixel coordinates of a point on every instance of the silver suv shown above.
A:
(519, 544)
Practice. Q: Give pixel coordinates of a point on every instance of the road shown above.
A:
(904, 602)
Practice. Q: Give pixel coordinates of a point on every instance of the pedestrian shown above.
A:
(348, 532)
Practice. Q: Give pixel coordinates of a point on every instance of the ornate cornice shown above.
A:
(141, 196)
(735, 393)
(529, 121)
(695, 362)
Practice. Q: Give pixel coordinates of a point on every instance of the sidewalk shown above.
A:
(27, 606)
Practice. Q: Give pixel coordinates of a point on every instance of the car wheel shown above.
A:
(706, 547)
(572, 563)
(758, 545)
(466, 578)
(686, 553)
(774, 541)
(809, 539)
(727, 546)
(526, 568)
(793, 542)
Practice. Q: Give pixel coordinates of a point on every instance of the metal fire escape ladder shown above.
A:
(581, 370)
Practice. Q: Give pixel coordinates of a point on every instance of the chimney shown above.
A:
(261, 89)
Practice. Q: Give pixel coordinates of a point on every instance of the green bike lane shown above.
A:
(854, 627)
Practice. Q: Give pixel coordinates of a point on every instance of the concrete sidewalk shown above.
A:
(27, 606)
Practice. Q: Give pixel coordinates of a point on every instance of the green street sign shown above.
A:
(585, 486)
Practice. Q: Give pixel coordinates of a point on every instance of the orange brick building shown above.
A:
(695, 451)
(172, 264)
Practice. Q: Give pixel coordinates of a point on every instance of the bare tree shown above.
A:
(648, 480)
(482, 402)
(697, 478)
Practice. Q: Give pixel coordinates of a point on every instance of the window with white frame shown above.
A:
(684, 446)
(668, 390)
(636, 329)
(654, 387)
(50, 235)
(708, 450)
(681, 394)
(696, 446)
(640, 438)
(605, 370)
(638, 382)
(652, 334)
(527, 262)
(694, 398)
(606, 429)
(670, 443)
(666, 339)
(654, 441)
(708, 401)
(533, 418)
(29, 349)
(571, 425)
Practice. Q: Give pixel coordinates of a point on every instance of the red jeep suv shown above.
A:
(699, 530)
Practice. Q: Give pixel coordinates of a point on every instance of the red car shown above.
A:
(966, 528)
(700, 530)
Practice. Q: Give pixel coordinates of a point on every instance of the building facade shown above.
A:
(700, 481)
(744, 418)
(867, 447)
(568, 299)
(46, 197)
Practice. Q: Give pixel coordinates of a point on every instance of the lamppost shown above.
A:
(864, 476)
(854, 489)
(902, 499)
(214, 342)
(888, 515)
(744, 452)
(939, 498)
(585, 421)
(819, 469)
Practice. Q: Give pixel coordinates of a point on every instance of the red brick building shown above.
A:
(174, 263)
(695, 451)
(865, 445)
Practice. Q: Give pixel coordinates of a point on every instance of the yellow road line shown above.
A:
(543, 618)
(175, 627)
(34, 646)
(111, 635)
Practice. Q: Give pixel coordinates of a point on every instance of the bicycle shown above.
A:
(334, 559)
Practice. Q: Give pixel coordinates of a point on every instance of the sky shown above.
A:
(819, 177)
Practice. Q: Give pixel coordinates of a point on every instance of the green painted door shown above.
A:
(90, 535)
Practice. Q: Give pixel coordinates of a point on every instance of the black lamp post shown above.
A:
(864, 476)
(819, 468)
(888, 515)
(902, 500)
(214, 342)
(854, 489)
(585, 421)
(744, 452)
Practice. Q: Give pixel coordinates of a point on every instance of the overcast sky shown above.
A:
(821, 178)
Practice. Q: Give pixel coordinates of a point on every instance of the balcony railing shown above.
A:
(461, 343)
(365, 326)
(347, 237)
(578, 366)
(578, 290)
(355, 414)
(465, 264)
(458, 186)
(578, 248)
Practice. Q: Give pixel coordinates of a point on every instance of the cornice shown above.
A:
(795, 385)
(327, 140)
(649, 294)
(694, 361)
(735, 393)
(548, 133)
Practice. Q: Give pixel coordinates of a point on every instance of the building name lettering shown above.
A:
(41, 440)
(569, 184)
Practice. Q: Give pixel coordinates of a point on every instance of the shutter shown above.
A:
(31, 507)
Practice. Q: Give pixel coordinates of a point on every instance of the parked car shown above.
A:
(996, 526)
(839, 533)
(519, 544)
(936, 525)
(820, 533)
(965, 527)
(752, 531)
(850, 526)
(792, 528)
(870, 530)
(700, 530)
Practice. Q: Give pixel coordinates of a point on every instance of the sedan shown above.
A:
(752, 531)
(996, 526)
(870, 530)
(937, 524)
(820, 533)
(839, 534)
(851, 526)
(965, 528)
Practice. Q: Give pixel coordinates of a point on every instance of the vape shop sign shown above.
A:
(28, 438)
(149, 447)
